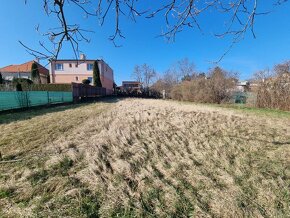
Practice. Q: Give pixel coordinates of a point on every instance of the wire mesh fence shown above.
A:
(24, 99)
(248, 98)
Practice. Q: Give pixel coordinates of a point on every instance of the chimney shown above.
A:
(36, 60)
(83, 57)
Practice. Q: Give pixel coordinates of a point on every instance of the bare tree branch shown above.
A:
(178, 15)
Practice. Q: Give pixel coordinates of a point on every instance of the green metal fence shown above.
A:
(14, 100)
(244, 98)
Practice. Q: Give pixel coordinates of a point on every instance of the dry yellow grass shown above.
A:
(145, 158)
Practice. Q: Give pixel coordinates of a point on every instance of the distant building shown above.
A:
(130, 86)
(72, 70)
(23, 71)
(243, 86)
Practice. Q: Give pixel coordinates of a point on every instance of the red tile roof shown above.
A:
(24, 68)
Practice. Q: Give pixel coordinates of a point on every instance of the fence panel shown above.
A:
(14, 100)
(37, 98)
(59, 97)
(9, 100)
(248, 98)
(84, 91)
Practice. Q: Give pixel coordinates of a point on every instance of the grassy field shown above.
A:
(144, 158)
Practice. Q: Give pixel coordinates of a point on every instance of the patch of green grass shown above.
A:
(282, 203)
(63, 166)
(245, 108)
(31, 113)
(124, 212)
(6, 192)
(38, 177)
(90, 204)
(86, 204)
(259, 111)
(183, 207)
(150, 200)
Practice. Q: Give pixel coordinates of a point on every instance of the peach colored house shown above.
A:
(72, 70)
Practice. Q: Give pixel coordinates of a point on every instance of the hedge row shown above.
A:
(51, 87)
(6, 87)
(38, 87)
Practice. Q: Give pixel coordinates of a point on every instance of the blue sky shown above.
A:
(141, 45)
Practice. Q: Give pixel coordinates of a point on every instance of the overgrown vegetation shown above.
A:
(50, 87)
(35, 76)
(86, 81)
(144, 158)
(216, 87)
(28, 85)
(268, 89)
(273, 88)
(21, 84)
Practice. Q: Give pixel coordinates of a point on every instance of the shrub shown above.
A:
(21, 84)
(96, 75)
(28, 85)
(176, 92)
(1, 79)
(22, 81)
(18, 87)
(274, 92)
(272, 87)
(7, 87)
(50, 87)
(86, 81)
(216, 88)
(35, 73)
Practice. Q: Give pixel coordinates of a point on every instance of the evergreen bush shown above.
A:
(96, 75)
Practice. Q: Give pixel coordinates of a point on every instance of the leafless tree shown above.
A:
(185, 69)
(137, 74)
(144, 74)
(166, 82)
(282, 69)
(240, 16)
(149, 74)
(174, 75)
(261, 76)
(179, 70)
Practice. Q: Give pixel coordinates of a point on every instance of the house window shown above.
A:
(90, 67)
(70, 65)
(58, 66)
(77, 65)
(77, 78)
(91, 79)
